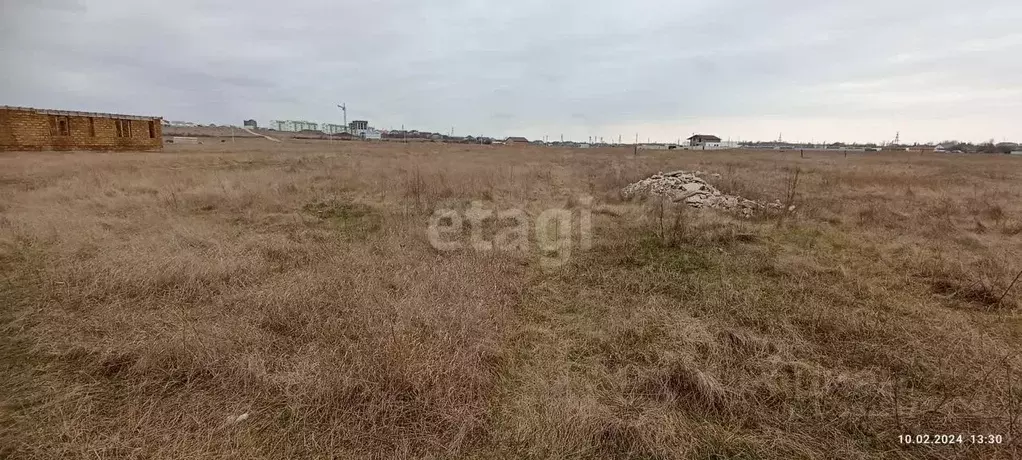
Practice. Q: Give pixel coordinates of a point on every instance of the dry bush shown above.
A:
(149, 300)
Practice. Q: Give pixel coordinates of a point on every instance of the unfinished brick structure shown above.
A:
(23, 128)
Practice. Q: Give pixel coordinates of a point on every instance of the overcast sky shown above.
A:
(741, 69)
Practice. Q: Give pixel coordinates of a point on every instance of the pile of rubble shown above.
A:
(688, 188)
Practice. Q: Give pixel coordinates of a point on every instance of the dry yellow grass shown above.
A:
(149, 300)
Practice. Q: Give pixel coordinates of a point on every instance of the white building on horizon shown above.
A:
(294, 126)
(331, 128)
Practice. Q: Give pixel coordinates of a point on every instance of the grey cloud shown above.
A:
(503, 67)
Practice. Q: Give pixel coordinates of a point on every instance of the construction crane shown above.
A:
(344, 109)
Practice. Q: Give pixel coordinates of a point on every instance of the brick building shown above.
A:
(23, 128)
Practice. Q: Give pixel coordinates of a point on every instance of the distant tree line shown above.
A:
(426, 135)
(985, 147)
(950, 145)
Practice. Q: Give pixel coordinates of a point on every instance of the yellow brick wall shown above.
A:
(28, 130)
(6, 131)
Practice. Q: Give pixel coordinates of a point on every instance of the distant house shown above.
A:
(922, 148)
(704, 140)
(251, 124)
(516, 140)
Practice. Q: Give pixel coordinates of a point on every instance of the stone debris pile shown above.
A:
(689, 188)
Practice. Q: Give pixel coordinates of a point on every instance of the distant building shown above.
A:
(251, 124)
(703, 140)
(331, 128)
(294, 126)
(184, 140)
(372, 134)
(358, 127)
(769, 146)
(709, 142)
(23, 128)
(516, 140)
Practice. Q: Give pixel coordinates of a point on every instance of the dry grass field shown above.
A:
(149, 301)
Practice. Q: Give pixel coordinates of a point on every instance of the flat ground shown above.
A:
(148, 300)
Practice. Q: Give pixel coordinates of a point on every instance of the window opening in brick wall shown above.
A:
(152, 130)
(60, 126)
(123, 128)
(92, 127)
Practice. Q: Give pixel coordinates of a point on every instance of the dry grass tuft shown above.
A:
(693, 389)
